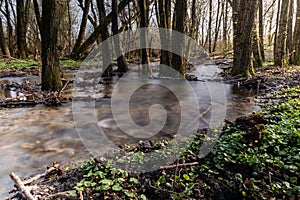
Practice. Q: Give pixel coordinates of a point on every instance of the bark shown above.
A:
(144, 24)
(21, 30)
(296, 53)
(178, 46)
(49, 35)
(106, 55)
(258, 61)
(218, 25)
(289, 42)
(164, 36)
(3, 43)
(225, 21)
(276, 28)
(122, 64)
(37, 14)
(261, 30)
(9, 28)
(244, 13)
(281, 57)
(270, 34)
(209, 26)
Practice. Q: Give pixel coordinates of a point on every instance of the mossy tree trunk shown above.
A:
(50, 58)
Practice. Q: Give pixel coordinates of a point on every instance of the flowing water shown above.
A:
(31, 138)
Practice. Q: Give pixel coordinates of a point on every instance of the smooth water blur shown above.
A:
(32, 138)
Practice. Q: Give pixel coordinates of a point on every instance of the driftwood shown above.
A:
(25, 191)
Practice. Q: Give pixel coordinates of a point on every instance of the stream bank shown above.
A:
(158, 184)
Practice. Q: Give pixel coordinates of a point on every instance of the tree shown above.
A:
(82, 29)
(244, 13)
(261, 30)
(49, 35)
(3, 44)
(21, 30)
(144, 24)
(106, 56)
(296, 40)
(122, 65)
(180, 16)
(280, 51)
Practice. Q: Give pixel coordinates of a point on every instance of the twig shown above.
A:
(62, 195)
(46, 173)
(179, 165)
(62, 89)
(21, 187)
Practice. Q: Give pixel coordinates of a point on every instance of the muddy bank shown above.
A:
(267, 79)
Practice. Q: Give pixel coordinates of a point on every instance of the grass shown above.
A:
(26, 64)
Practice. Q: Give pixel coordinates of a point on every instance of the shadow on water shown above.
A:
(32, 138)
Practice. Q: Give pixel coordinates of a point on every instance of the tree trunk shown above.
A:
(281, 57)
(178, 46)
(106, 55)
(50, 59)
(225, 21)
(3, 43)
(244, 13)
(276, 28)
(218, 25)
(261, 30)
(122, 64)
(82, 29)
(164, 36)
(258, 61)
(144, 24)
(296, 54)
(289, 41)
(209, 26)
(9, 28)
(21, 30)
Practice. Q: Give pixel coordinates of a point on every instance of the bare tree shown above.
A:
(122, 64)
(21, 30)
(49, 34)
(244, 13)
(3, 43)
(296, 41)
(281, 57)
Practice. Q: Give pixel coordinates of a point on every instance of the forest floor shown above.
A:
(256, 157)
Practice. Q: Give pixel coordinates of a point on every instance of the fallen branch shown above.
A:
(46, 173)
(63, 195)
(21, 187)
(179, 165)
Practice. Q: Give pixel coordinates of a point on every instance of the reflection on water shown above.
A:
(31, 138)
